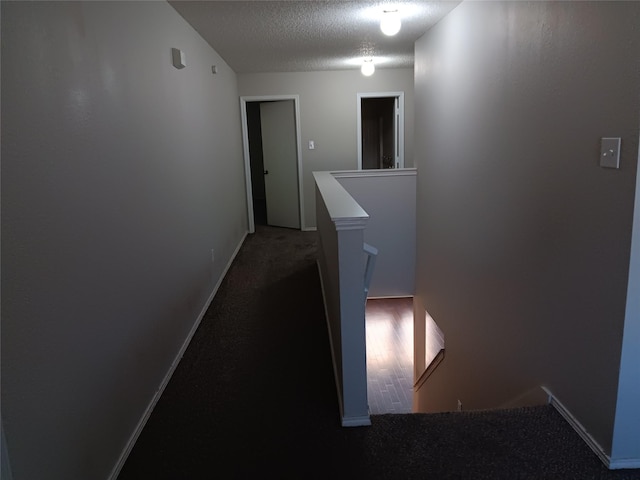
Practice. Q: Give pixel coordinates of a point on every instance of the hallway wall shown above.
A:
(328, 115)
(120, 174)
(389, 197)
(523, 239)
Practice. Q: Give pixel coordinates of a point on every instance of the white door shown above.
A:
(396, 132)
(279, 153)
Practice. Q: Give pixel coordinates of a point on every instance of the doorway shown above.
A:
(272, 155)
(380, 130)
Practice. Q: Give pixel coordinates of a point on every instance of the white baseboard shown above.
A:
(580, 430)
(624, 463)
(363, 421)
(309, 229)
(165, 381)
(389, 297)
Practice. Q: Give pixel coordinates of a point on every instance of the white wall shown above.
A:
(120, 173)
(523, 239)
(328, 115)
(389, 197)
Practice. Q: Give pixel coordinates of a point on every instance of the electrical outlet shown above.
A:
(459, 405)
(213, 256)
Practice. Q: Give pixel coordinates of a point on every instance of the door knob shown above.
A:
(266, 172)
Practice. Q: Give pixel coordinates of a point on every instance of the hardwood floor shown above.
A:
(389, 334)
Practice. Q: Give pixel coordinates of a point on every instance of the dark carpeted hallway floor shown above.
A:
(254, 396)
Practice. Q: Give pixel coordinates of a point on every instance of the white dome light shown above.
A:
(368, 67)
(390, 23)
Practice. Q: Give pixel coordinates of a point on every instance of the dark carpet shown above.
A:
(254, 397)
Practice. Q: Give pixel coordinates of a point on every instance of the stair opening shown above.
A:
(433, 349)
(389, 346)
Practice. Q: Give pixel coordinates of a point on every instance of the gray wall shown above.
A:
(389, 197)
(328, 115)
(120, 173)
(523, 240)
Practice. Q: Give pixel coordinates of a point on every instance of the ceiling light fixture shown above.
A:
(390, 23)
(368, 67)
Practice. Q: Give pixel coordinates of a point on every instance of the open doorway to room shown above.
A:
(380, 130)
(273, 173)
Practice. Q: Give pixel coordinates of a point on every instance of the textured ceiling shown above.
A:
(292, 36)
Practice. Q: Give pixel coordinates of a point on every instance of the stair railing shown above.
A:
(372, 254)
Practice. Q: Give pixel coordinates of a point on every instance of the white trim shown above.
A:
(580, 430)
(344, 211)
(400, 97)
(624, 463)
(350, 223)
(379, 297)
(428, 371)
(165, 381)
(387, 172)
(247, 166)
(247, 156)
(310, 229)
(363, 421)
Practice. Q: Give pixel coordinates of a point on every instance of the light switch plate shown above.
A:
(610, 152)
(177, 57)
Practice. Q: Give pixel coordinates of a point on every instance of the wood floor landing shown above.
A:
(389, 334)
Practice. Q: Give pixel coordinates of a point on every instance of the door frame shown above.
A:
(247, 156)
(400, 132)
